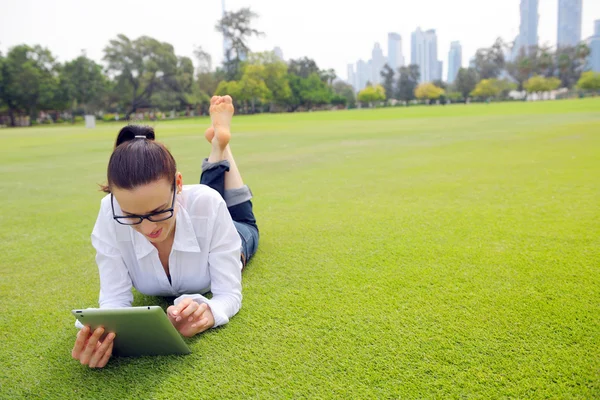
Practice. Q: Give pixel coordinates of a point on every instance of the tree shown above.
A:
(486, 88)
(236, 27)
(489, 62)
(387, 73)
(345, 90)
(84, 83)
(589, 81)
(538, 83)
(428, 91)
(314, 91)
(408, 79)
(204, 60)
(328, 76)
(466, 80)
(141, 67)
(252, 85)
(29, 80)
(371, 94)
(274, 74)
(303, 67)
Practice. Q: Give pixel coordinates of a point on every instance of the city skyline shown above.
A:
(78, 26)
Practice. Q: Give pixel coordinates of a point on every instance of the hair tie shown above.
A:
(140, 137)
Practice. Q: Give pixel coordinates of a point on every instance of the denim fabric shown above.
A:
(238, 203)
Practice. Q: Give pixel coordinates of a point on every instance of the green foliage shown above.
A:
(142, 67)
(236, 28)
(387, 73)
(303, 67)
(372, 94)
(408, 79)
(84, 83)
(487, 88)
(345, 90)
(589, 81)
(428, 91)
(489, 62)
(29, 80)
(567, 62)
(274, 74)
(539, 83)
(466, 80)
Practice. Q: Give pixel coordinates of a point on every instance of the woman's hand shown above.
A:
(191, 318)
(89, 350)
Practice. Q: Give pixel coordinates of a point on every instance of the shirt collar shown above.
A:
(185, 236)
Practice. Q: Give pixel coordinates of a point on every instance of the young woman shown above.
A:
(166, 239)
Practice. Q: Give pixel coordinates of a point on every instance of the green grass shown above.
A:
(430, 252)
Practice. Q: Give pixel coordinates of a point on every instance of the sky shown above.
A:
(332, 32)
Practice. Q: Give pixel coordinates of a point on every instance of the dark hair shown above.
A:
(137, 159)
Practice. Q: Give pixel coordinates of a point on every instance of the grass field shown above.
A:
(430, 252)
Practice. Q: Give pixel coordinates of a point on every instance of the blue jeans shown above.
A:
(238, 203)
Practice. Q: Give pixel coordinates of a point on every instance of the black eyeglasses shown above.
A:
(153, 217)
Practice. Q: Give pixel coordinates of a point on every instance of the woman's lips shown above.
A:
(155, 234)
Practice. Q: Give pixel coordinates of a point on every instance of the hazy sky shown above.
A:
(334, 33)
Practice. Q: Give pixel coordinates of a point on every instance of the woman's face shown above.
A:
(152, 197)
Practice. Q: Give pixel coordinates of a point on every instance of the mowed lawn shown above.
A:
(428, 252)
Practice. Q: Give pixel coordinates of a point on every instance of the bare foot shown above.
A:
(219, 134)
(221, 112)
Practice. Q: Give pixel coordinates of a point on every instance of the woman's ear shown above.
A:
(179, 181)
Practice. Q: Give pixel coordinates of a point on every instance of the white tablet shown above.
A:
(139, 331)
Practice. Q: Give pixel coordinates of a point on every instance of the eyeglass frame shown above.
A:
(145, 216)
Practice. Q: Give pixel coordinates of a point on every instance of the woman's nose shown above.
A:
(147, 227)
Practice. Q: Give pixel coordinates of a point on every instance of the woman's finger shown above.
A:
(198, 313)
(82, 336)
(101, 350)
(91, 346)
(106, 357)
(189, 310)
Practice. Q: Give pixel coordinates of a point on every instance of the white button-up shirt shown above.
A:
(205, 256)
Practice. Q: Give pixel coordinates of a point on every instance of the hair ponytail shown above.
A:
(138, 159)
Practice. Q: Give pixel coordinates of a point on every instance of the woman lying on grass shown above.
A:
(166, 239)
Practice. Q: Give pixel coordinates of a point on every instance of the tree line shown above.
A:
(146, 74)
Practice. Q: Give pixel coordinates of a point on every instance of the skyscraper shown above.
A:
(528, 30)
(226, 41)
(363, 74)
(424, 54)
(352, 76)
(278, 52)
(395, 56)
(594, 44)
(454, 60)
(569, 22)
(377, 62)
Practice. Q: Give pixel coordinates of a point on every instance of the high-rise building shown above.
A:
(424, 54)
(528, 30)
(377, 63)
(226, 41)
(594, 45)
(363, 74)
(454, 60)
(352, 76)
(569, 22)
(278, 52)
(395, 56)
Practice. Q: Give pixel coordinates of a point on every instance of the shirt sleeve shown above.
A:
(115, 282)
(225, 269)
